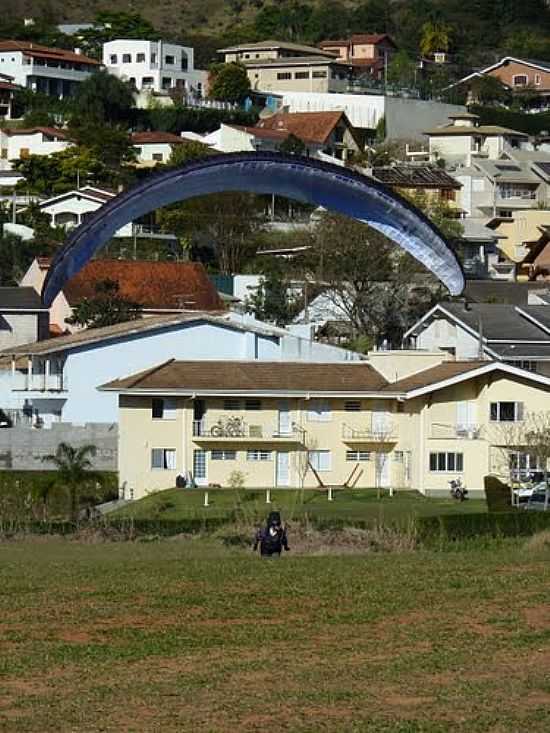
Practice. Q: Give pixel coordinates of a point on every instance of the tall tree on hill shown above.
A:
(104, 99)
(229, 83)
(435, 37)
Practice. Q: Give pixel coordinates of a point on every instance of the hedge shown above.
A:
(463, 526)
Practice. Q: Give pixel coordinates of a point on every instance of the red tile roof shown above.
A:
(153, 285)
(308, 126)
(35, 50)
(48, 131)
(144, 138)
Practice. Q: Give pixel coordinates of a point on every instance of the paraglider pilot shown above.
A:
(271, 538)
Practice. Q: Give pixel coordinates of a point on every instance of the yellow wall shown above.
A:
(523, 227)
(416, 427)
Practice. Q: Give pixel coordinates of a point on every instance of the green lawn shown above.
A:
(364, 505)
(189, 635)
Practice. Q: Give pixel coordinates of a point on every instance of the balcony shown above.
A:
(382, 433)
(236, 430)
(23, 382)
(449, 431)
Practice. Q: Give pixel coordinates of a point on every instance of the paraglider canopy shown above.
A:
(311, 181)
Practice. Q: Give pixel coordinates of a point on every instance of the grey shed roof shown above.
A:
(20, 299)
(498, 321)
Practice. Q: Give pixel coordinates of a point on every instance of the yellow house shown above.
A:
(518, 233)
(301, 424)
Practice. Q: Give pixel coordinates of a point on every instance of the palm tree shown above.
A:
(73, 467)
(435, 37)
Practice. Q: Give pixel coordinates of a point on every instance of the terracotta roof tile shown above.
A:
(143, 138)
(154, 285)
(235, 376)
(35, 50)
(439, 373)
(314, 126)
(48, 131)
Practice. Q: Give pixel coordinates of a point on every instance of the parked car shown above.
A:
(537, 499)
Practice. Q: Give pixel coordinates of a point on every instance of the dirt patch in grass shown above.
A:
(537, 617)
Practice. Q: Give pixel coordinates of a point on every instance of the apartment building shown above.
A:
(53, 71)
(300, 425)
(281, 67)
(155, 66)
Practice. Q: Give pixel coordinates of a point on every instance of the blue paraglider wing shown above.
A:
(311, 181)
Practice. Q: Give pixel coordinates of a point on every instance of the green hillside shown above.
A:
(475, 31)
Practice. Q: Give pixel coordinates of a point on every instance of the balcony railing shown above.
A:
(381, 433)
(449, 431)
(40, 382)
(236, 429)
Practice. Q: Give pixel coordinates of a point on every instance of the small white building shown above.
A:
(53, 71)
(155, 147)
(58, 378)
(7, 89)
(21, 143)
(71, 209)
(155, 66)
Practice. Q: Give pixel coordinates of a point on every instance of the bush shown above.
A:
(497, 494)
(453, 527)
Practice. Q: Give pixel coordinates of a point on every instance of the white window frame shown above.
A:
(518, 411)
(520, 76)
(167, 458)
(321, 460)
(319, 411)
(223, 455)
(358, 455)
(447, 463)
(538, 80)
(169, 408)
(254, 454)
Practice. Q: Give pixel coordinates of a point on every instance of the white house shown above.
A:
(53, 71)
(155, 147)
(155, 66)
(7, 88)
(58, 377)
(71, 209)
(17, 143)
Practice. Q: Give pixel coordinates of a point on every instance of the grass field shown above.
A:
(363, 505)
(188, 635)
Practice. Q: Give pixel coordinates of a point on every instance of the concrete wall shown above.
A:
(410, 118)
(22, 448)
(320, 78)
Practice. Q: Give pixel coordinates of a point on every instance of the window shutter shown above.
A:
(494, 411)
(519, 410)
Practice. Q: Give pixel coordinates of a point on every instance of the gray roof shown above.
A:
(20, 299)
(91, 336)
(295, 61)
(493, 291)
(271, 44)
(498, 321)
(476, 231)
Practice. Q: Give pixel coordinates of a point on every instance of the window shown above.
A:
(126, 58)
(520, 80)
(398, 456)
(301, 75)
(521, 464)
(283, 75)
(158, 157)
(352, 406)
(252, 404)
(506, 411)
(24, 152)
(258, 455)
(153, 58)
(358, 455)
(320, 459)
(231, 404)
(447, 462)
(166, 82)
(163, 408)
(319, 75)
(138, 150)
(147, 82)
(169, 60)
(448, 194)
(113, 58)
(538, 80)
(530, 366)
(199, 465)
(140, 58)
(318, 411)
(223, 455)
(163, 459)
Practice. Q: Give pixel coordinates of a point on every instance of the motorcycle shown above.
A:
(457, 490)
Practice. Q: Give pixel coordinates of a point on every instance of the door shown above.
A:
(200, 473)
(284, 418)
(381, 422)
(199, 411)
(383, 469)
(282, 477)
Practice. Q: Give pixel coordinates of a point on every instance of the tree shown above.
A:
(271, 302)
(73, 467)
(105, 308)
(185, 152)
(292, 145)
(402, 70)
(489, 90)
(110, 25)
(16, 255)
(439, 212)
(435, 37)
(103, 98)
(222, 225)
(48, 175)
(228, 83)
